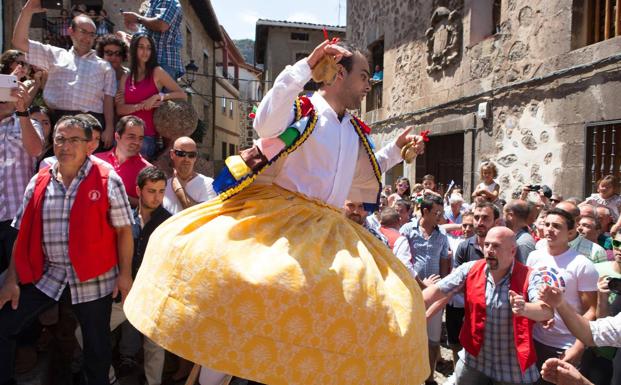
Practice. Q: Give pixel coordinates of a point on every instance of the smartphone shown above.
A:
(52, 4)
(614, 284)
(7, 83)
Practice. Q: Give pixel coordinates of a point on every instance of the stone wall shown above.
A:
(541, 91)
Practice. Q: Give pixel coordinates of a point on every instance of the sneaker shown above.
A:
(127, 366)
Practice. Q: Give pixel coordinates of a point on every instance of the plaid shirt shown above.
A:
(75, 83)
(58, 270)
(168, 44)
(497, 358)
(16, 166)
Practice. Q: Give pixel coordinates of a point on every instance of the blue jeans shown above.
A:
(171, 71)
(149, 147)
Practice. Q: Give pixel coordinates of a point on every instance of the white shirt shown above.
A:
(607, 331)
(199, 189)
(330, 165)
(574, 273)
(74, 82)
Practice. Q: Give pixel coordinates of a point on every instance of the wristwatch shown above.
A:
(23, 113)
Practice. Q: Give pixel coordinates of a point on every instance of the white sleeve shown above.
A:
(402, 250)
(587, 276)
(607, 331)
(275, 112)
(388, 156)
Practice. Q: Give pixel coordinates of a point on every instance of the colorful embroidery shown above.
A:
(368, 145)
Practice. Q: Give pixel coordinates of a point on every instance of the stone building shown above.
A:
(280, 43)
(530, 85)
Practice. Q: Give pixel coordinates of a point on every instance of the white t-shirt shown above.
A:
(574, 273)
(199, 189)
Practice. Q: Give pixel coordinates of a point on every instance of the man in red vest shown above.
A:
(497, 330)
(75, 242)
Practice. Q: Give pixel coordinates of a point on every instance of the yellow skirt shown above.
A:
(280, 289)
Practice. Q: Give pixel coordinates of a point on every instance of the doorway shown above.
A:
(444, 159)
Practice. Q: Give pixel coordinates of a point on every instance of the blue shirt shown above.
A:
(497, 358)
(426, 253)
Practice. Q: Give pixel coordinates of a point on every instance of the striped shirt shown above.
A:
(16, 166)
(75, 83)
(168, 43)
(425, 254)
(58, 270)
(497, 358)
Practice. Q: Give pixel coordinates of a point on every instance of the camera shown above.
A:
(51, 4)
(534, 187)
(614, 284)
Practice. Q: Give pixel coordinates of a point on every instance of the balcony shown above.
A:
(55, 30)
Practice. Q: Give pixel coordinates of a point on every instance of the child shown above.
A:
(488, 188)
(429, 182)
(607, 196)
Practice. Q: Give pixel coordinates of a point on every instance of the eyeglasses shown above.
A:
(61, 140)
(616, 244)
(85, 32)
(183, 154)
(113, 53)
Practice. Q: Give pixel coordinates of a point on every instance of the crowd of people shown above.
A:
(512, 254)
(84, 120)
(529, 284)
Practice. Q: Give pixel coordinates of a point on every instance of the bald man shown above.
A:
(492, 340)
(92, 79)
(186, 187)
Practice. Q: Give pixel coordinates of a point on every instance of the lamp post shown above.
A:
(190, 74)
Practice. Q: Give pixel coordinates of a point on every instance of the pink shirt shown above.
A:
(137, 93)
(128, 170)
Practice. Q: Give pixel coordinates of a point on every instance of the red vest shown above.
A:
(473, 330)
(92, 240)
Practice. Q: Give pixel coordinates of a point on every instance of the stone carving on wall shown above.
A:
(443, 39)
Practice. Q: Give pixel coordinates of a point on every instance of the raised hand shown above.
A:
(517, 302)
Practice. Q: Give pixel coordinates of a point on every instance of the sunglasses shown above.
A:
(555, 201)
(113, 53)
(183, 154)
(616, 244)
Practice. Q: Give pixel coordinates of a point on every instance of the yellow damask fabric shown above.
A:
(274, 287)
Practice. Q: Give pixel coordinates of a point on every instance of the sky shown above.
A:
(239, 16)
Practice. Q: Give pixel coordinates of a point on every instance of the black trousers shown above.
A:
(93, 317)
(8, 235)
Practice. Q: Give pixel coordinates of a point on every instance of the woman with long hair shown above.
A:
(401, 191)
(141, 92)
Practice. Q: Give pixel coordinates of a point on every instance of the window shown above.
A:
(205, 63)
(374, 97)
(603, 156)
(231, 108)
(595, 21)
(232, 149)
(300, 55)
(302, 36)
(224, 147)
(223, 105)
(188, 42)
(485, 18)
